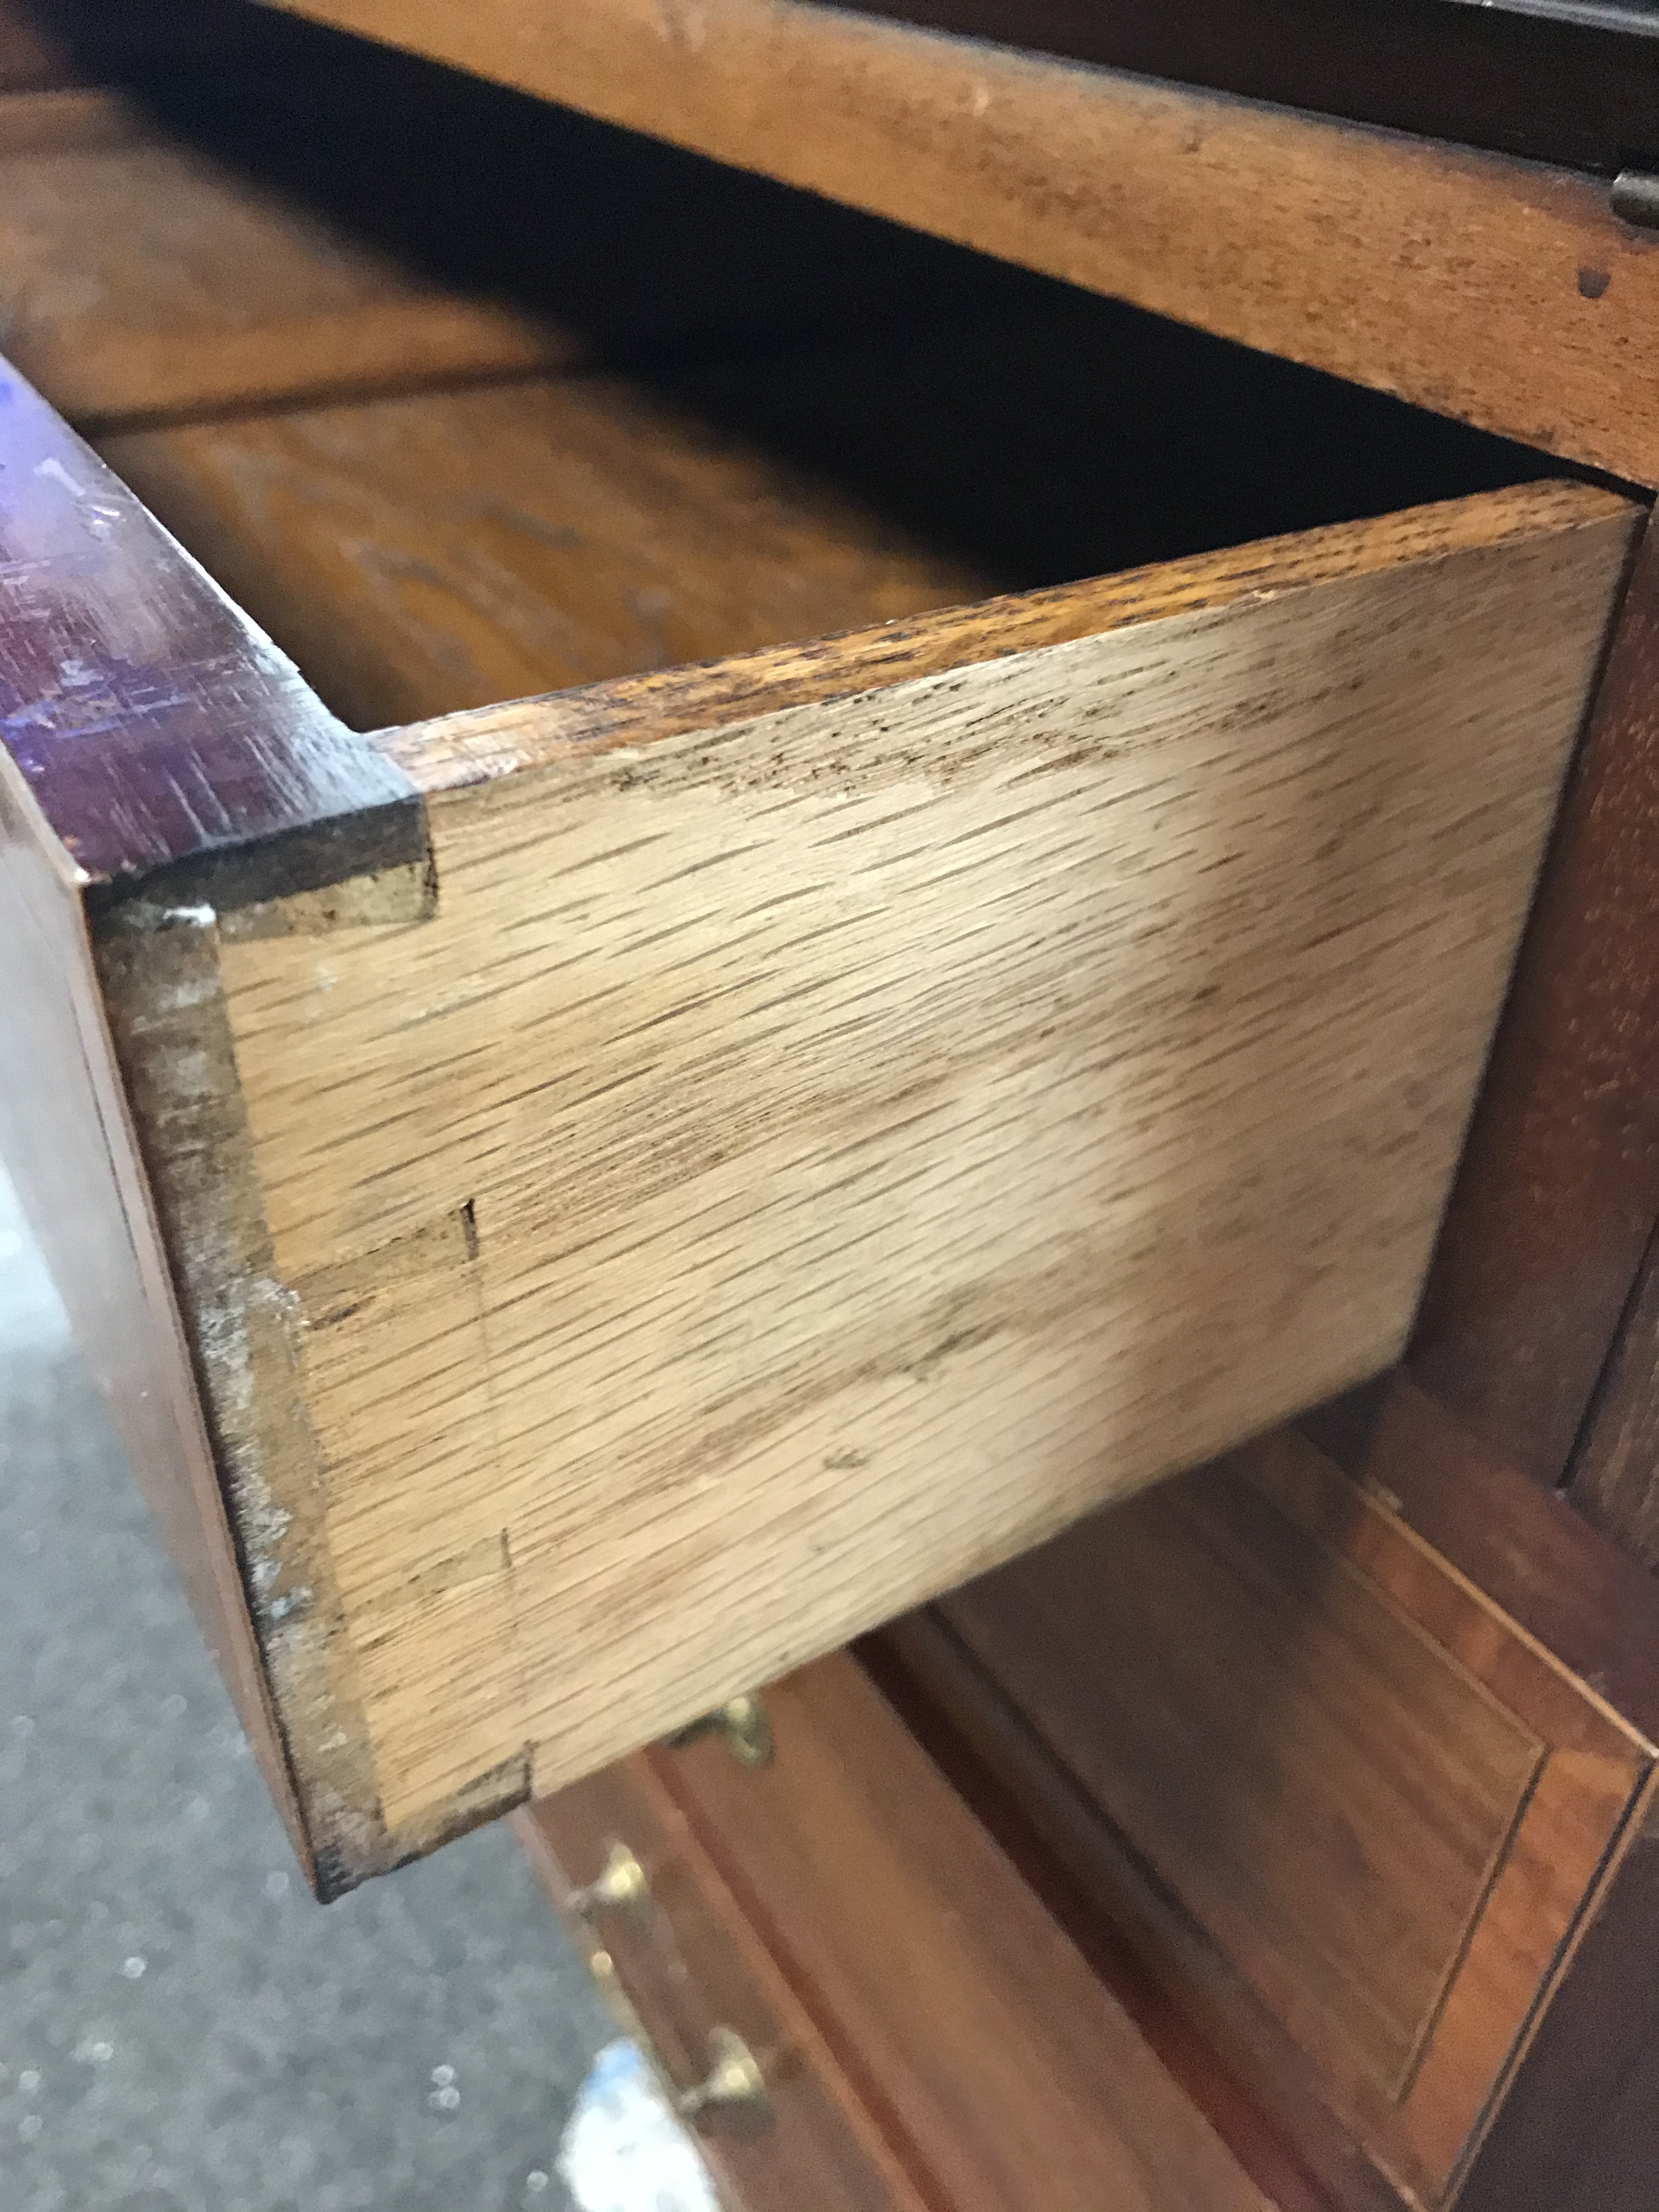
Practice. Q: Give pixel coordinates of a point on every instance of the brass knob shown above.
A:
(742, 1721)
(619, 1884)
(733, 2083)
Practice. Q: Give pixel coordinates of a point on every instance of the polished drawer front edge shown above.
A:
(777, 2120)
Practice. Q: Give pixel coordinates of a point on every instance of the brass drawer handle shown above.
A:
(733, 2083)
(742, 1721)
(620, 1884)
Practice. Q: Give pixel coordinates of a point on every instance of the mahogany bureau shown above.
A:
(679, 1044)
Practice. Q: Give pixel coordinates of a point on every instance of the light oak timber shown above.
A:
(1032, 1042)
(1500, 291)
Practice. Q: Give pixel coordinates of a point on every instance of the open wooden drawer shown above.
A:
(584, 1204)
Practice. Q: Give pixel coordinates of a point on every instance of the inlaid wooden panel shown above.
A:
(1376, 1804)
(1240, 1773)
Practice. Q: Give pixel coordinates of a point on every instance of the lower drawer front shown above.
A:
(927, 2034)
(686, 1973)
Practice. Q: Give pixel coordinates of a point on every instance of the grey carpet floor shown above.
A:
(182, 2029)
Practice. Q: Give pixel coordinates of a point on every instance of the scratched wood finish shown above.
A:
(68, 1145)
(206, 738)
(1211, 1702)
(101, 619)
(1500, 292)
(1004, 2074)
(630, 1305)
(148, 727)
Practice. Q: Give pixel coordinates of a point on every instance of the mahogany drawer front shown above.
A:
(586, 1203)
(1354, 1810)
(845, 1911)
(684, 1967)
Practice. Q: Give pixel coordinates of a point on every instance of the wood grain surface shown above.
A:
(686, 1962)
(1261, 2093)
(1549, 80)
(452, 548)
(655, 1243)
(1247, 1745)
(230, 229)
(458, 548)
(1590, 1601)
(144, 724)
(139, 277)
(1494, 290)
(151, 721)
(1375, 1802)
(68, 1145)
(1614, 1476)
(1575, 2132)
